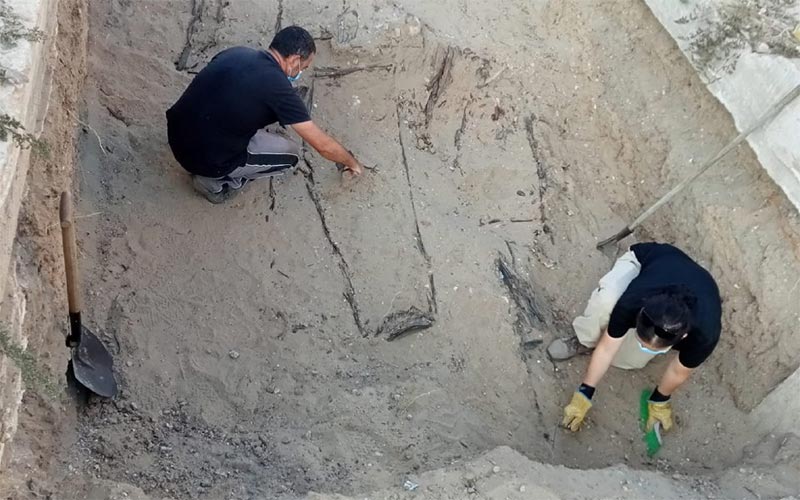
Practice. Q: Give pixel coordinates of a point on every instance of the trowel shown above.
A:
(90, 364)
(652, 438)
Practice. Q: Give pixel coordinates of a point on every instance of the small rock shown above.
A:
(397, 397)
(413, 25)
(762, 48)
(234, 354)
(520, 193)
(409, 417)
(410, 485)
(129, 364)
(522, 489)
(562, 349)
(496, 469)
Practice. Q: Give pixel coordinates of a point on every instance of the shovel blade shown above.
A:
(93, 365)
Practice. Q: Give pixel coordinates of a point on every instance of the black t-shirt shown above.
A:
(664, 266)
(240, 91)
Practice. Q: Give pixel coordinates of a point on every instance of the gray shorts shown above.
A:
(268, 154)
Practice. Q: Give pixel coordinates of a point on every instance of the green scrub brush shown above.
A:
(651, 438)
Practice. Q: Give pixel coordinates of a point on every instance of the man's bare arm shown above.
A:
(327, 146)
(674, 376)
(602, 357)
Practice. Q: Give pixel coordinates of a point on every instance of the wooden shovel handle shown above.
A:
(70, 254)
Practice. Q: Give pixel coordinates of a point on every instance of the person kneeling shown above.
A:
(656, 299)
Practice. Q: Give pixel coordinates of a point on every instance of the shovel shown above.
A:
(91, 363)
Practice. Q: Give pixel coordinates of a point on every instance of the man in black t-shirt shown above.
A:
(655, 299)
(216, 128)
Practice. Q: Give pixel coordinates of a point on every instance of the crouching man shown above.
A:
(216, 130)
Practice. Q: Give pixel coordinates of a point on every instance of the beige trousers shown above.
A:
(593, 323)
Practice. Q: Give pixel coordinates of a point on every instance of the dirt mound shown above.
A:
(505, 474)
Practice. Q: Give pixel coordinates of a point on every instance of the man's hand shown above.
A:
(328, 147)
(575, 412)
(659, 412)
(356, 168)
(661, 409)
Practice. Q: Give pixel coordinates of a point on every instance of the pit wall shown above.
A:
(749, 61)
(42, 96)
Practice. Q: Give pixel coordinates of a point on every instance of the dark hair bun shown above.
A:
(670, 312)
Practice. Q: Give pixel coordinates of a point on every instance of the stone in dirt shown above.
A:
(563, 348)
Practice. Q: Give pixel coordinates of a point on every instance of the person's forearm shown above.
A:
(602, 356)
(335, 152)
(675, 376)
(326, 145)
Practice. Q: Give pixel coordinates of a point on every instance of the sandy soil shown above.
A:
(516, 133)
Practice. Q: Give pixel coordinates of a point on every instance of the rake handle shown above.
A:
(766, 117)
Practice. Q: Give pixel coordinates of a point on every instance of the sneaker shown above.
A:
(216, 198)
(566, 348)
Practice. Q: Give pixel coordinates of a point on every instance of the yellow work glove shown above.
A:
(575, 412)
(659, 412)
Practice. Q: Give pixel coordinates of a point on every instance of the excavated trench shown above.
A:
(506, 139)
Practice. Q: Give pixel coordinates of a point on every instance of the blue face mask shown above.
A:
(295, 77)
(650, 351)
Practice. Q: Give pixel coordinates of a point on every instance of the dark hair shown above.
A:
(294, 40)
(665, 317)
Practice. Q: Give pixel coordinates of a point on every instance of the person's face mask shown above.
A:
(648, 350)
(297, 75)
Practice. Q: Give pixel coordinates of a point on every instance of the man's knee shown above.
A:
(295, 154)
(290, 147)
